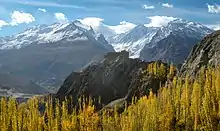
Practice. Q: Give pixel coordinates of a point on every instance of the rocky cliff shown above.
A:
(206, 53)
(116, 79)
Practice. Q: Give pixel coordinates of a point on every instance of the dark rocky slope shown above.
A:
(173, 49)
(207, 52)
(116, 79)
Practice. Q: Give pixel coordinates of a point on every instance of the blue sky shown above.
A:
(16, 15)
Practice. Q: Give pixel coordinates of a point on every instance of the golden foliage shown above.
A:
(180, 105)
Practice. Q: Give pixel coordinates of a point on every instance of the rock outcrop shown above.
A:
(116, 79)
(206, 53)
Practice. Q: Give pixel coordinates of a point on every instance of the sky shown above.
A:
(17, 15)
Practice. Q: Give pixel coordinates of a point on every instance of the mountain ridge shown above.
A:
(45, 49)
(134, 40)
(190, 33)
(116, 78)
(47, 53)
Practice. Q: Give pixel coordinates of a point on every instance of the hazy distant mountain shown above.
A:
(18, 86)
(48, 53)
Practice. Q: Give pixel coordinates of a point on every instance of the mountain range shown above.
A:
(161, 43)
(46, 54)
(118, 79)
(173, 42)
(133, 41)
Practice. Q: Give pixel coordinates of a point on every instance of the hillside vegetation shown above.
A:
(182, 104)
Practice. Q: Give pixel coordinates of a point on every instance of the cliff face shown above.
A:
(116, 77)
(206, 53)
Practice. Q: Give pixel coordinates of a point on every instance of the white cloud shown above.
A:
(122, 27)
(42, 10)
(61, 17)
(158, 21)
(213, 8)
(167, 5)
(97, 24)
(148, 7)
(92, 21)
(21, 17)
(214, 27)
(3, 23)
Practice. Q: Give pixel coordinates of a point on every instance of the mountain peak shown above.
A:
(49, 33)
(185, 23)
(47, 49)
(134, 40)
(140, 26)
(174, 41)
(179, 21)
(77, 21)
(189, 28)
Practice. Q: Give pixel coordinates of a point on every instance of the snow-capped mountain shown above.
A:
(188, 28)
(141, 38)
(173, 42)
(47, 54)
(42, 34)
(134, 40)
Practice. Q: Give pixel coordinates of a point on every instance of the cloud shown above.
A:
(42, 10)
(97, 24)
(214, 27)
(167, 5)
(92, 21)
(148, 7)
(108, 30)
(45, 4)
(21, 17)
(3, 23)
(213, 8)
(158, 21)
(123, 27)
(61, 17)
